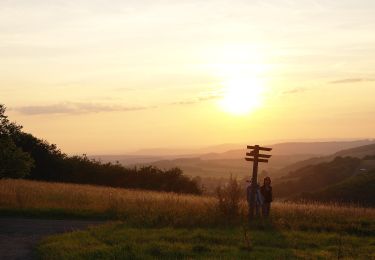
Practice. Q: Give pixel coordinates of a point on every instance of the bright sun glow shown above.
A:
(241, 96)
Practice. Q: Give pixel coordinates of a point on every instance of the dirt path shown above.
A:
(18, 236)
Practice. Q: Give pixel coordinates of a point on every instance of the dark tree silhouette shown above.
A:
(50, 164)
(14, 163)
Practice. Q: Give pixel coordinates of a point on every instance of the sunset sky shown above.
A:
(97, 76)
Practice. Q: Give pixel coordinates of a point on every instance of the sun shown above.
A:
(241, 96)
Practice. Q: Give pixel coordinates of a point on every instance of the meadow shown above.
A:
(149, 224)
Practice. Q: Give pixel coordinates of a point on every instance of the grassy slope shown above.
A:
(357, 189)
(119, 241)
(171, 225)
(315, 177)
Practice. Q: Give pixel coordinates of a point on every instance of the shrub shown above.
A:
(229, 198)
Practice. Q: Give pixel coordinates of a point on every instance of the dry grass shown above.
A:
(148, 208)
(145, 207)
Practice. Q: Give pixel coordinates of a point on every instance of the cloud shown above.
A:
(351, 80)
(205, 97)
(72, 108)
(76, 108)
(294, 91)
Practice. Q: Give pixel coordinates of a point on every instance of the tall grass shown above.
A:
(147, 208)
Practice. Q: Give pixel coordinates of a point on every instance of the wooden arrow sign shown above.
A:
(264, 156)
(265, 149)
(254, 156)
(259, 160)
(259, 148)
(258, 155)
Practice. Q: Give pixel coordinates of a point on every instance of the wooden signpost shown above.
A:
(255, 157)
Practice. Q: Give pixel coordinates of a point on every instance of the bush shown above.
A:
(229, 198)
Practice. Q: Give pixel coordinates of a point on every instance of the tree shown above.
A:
(49, 161)
(47, 158)
(24, 155)
(6, 127)
(14, 163)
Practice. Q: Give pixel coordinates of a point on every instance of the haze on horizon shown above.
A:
(114, 76)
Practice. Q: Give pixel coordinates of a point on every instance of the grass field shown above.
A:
(165, 225)
(119, 241)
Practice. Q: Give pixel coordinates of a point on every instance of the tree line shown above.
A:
(23, 155)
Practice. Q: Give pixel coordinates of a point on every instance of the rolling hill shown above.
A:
(357, 152)
(344, 179)
(222, 168)
(315, 177)
(214, 168)
(221, 165)
(226, 151)
(358, 189)
(294, 148)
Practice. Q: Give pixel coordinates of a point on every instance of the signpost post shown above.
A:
(255, 157)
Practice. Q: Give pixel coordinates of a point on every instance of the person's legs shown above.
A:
(257, 209)
(268, 209)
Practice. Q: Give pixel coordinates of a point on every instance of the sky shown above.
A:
(95, 76)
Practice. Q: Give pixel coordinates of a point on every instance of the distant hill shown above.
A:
(222, 168)
(232, 151)
(316, 177)
(213, 167)
(358, 189)
(318, 148)
(188, 151)
(357, 152)
(313, 149)
(126, 159)
(221, 165)
(344, 179)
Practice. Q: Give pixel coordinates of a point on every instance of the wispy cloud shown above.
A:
(202, 98)
(351, 80)
(76, 108)
(294, 91)
(71, 108)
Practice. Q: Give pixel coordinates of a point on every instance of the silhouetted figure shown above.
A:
(258, 198)
(266, 191)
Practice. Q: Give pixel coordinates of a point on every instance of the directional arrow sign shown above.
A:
(264, 156)
(259, 148)
(258, 155)
(252, 160)
(265, 149)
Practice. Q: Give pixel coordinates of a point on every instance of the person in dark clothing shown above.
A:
(266, 191)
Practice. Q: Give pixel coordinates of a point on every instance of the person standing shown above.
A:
(266, 191)
(258, 198)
